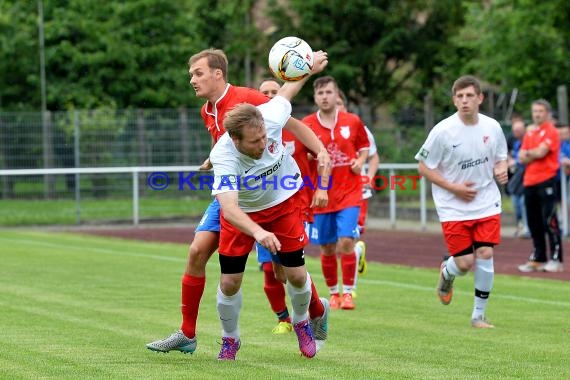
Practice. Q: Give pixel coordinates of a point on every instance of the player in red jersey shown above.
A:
(368, 172)
(335, 227)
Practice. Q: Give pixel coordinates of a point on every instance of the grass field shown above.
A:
(63, 211)
(81, 307)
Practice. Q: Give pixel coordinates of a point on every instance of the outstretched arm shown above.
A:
(290, 89)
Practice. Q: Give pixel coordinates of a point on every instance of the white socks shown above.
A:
(484, 276)
(229, 308)
(300, 298)
(452, 269)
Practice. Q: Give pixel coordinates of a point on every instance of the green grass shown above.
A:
(81, 307)
(63, 212)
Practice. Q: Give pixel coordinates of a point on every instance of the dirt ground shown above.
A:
(420, 249)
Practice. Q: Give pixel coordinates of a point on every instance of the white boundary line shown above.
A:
(182, 260)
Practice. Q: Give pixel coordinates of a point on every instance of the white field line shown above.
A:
(183, 260)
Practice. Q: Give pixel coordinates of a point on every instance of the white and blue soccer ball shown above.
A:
(291, 59)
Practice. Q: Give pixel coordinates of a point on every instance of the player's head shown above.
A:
(269, 87)
(518, 129)
(564, 131)
(541, 111)
(244, 124)
(208, 71)
(341, 101)
(464, 82)
(467, 95)
(325, 93)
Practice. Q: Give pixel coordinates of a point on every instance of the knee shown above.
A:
(229, 285)
(465, 263)
(346, 245)
(297, 278)
(328, 249)
(198, 255)
(484, 253)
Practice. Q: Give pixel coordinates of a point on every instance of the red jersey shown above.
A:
(213, 114)
(547, 167)
(300, 154)
(343, 143)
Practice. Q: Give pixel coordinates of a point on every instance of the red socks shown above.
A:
(316, 308)
(192, 290)
(329, 266)
(274, 290)
(348, 264)
(348, 267)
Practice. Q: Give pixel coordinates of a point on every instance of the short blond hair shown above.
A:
(241, 116)
(216, 60)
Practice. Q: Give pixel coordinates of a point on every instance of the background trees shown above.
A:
(383, 52)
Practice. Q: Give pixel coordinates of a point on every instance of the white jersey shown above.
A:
(366, 191)
(261, 183)
(465, 153)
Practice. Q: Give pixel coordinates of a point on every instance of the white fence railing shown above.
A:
(135, 172)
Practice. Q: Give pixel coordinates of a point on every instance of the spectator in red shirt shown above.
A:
(540, 153)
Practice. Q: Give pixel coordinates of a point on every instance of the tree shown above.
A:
(228, 25)
(19, 55)
(376, 48)
(518, 43)
(112, 54)
(122, 54)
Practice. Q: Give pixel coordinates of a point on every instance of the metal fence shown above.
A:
(169, 192)
(119, 138)
(132, 141)
(96, 138)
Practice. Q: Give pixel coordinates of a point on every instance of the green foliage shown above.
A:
(522, 44)
(119, 54)
(376, 48)
(19, 57)
(228, 25)
(123, 54)
(399, 144)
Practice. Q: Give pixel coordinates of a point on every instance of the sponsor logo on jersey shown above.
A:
(270, 170)
(424, 153)
(273, 147)
(470, 163)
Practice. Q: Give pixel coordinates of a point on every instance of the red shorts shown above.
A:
(461, 235)
(284, 220)
(363, 214)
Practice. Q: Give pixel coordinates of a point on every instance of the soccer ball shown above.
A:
(291, 59)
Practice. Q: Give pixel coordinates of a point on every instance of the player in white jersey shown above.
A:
(462, 157)
(256, 182)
